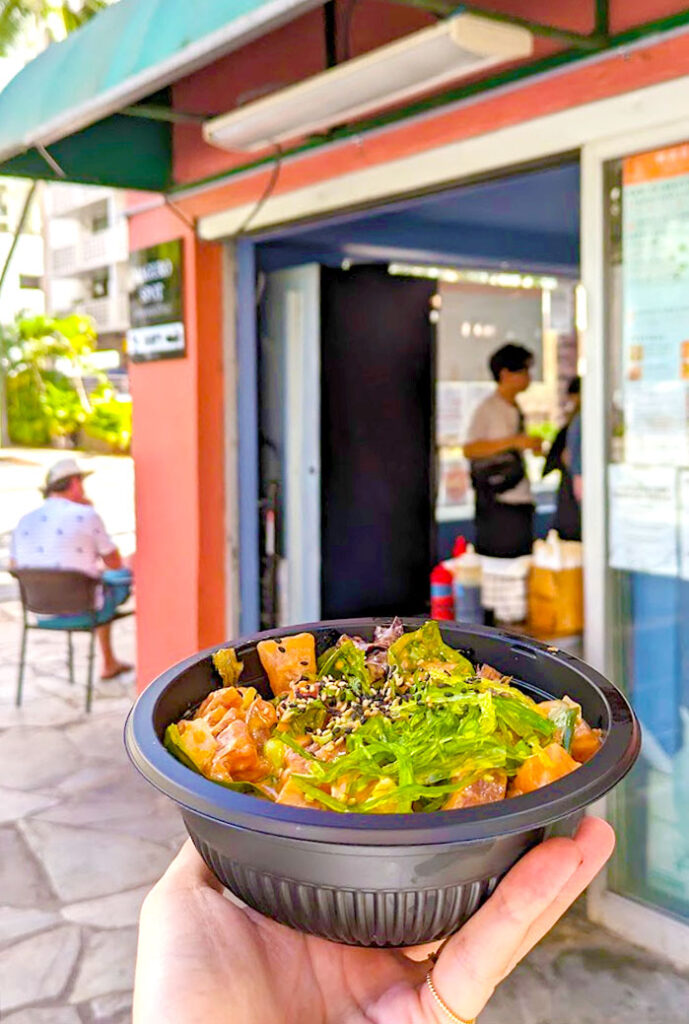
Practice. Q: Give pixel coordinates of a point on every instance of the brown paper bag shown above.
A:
(556, 601)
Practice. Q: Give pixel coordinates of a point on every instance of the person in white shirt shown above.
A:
(66, 532)
(495, 446)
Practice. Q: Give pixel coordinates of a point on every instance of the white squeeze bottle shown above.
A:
(466, 586)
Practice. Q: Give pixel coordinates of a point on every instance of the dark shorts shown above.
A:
(502, 530)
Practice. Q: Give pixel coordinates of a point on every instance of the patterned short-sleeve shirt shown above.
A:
(61, 534)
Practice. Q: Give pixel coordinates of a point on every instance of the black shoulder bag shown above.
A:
(498, 473)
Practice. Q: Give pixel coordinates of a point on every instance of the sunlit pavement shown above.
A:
(82, 838)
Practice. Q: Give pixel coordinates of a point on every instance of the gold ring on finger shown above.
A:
(450, 1014)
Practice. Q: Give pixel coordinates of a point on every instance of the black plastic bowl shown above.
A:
(385, 879)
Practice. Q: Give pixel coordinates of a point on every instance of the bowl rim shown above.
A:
(193, 792)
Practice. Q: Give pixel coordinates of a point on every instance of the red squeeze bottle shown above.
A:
(442, 602)
(459, 547)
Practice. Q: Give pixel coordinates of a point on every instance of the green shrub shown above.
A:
(45, 404)
(27, 422)
(111, 421)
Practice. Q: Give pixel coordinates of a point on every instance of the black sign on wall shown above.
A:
(155, 303)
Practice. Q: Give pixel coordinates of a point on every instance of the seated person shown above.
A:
(66, 532)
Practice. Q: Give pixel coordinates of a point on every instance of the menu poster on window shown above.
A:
(684, 524)
(643, 519)
(656, 417)
(655, 249)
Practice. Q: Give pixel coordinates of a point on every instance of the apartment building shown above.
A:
(22, 287)
(86, 258)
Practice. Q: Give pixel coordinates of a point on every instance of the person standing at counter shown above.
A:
(495, 446)
(565, 456)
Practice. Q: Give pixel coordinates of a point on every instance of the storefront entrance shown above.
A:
(374, 334)
(636, 418)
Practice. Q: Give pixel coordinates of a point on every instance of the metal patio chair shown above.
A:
(59, 593)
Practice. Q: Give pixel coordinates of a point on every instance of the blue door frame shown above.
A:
(247, 428)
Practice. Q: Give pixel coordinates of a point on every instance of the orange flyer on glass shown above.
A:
(660, 163)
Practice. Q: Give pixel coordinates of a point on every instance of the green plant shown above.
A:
(110, 420)
(546, 431)
(43, 362)
(25, 413)
(22, 19)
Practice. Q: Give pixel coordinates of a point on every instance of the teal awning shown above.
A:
(63, 110)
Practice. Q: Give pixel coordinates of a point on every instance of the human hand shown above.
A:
(204, 960)
(532, 444)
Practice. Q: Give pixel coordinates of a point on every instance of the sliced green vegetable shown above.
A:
(565, 719)
(346, 662)
(308, 720)
(426, 644)
(284, 737)
(309, 789)
(173, 743)
(227, 665)
(274, 751)
(522, 719)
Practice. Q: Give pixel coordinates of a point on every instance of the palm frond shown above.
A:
(73, 19)
(14, 15)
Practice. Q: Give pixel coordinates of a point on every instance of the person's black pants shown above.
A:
(502, 530)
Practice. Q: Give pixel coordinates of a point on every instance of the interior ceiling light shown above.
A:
(420, 62)
(449, 275)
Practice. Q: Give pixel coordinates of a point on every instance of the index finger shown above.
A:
(547, 879)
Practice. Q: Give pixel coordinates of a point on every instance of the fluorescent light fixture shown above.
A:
(496, 279)
(420, 62)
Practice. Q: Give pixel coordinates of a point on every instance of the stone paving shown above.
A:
(82, 838)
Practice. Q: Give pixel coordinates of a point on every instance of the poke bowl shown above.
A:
(404, 859)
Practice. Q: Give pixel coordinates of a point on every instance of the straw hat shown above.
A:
(62, 470)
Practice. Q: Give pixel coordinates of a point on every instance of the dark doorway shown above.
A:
(376, 442)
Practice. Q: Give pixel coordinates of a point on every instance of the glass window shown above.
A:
(647, 288)
(29, 281)
(100, 286)
(100, 223)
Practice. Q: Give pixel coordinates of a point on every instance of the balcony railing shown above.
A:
(91, 251)
(63, 261)
(65, 199)
(110, 313)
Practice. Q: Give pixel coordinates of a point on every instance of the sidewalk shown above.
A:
(82, 837)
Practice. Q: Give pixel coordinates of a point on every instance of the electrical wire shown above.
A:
(267, 192)
(189, 221)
